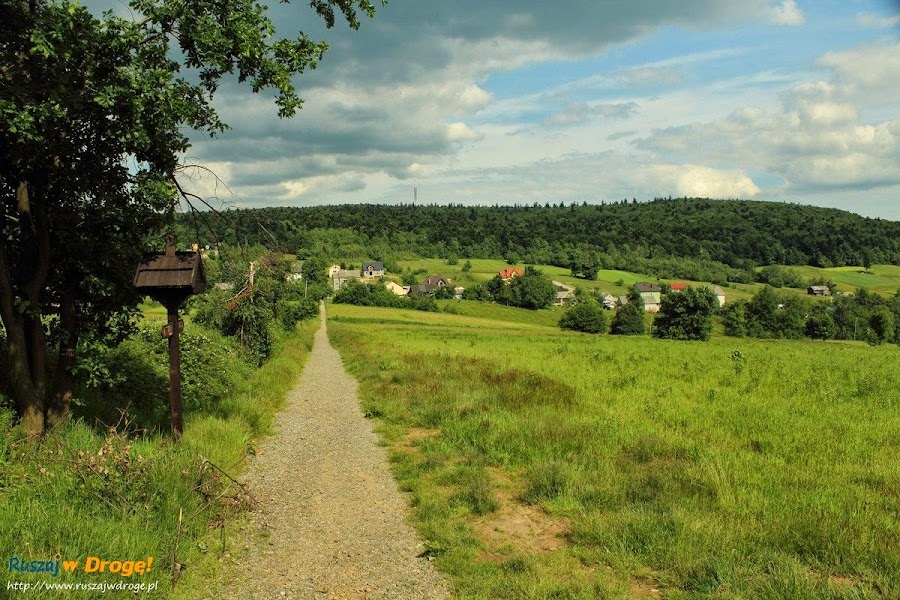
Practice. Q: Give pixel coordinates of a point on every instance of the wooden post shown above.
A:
(175, 373)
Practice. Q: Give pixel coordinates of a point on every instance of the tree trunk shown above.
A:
(20, 311)
(64, 382)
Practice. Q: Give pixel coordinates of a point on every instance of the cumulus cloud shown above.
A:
(460, 132)
(696, 181)
(786, 12)
(815, 140)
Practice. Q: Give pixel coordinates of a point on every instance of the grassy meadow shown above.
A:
(547, 464)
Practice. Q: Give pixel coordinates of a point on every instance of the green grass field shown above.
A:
(544, 464)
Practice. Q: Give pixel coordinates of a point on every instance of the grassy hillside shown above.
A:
(547, 464)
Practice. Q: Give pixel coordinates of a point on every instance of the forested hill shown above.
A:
(737, 233)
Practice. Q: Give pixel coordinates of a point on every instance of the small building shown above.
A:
(458, 292)
(397, 289)
(608, 301)
(651, 294)
(333, 270)
(720, 295)
(343, 276)
(296, 273)
(677, 287)
(818, 290)
(436, 281)
(418, 290)
(508, 274)
(373, 270)
(563, 297)
(621, 301)
(651, 302)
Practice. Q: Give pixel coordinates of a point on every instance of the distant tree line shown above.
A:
(863, 316)
(701, 239)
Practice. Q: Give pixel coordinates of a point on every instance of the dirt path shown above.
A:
(331, 523)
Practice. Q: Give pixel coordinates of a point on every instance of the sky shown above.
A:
(523, 101)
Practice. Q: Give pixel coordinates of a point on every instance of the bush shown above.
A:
(586, 316)
(629, 319)
(293, 312)
(135, 375)
(687, 315)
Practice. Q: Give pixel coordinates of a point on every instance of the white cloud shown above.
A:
(870, 68)
(877, 21)
(786, 12)
(460, 132)
(697, 181)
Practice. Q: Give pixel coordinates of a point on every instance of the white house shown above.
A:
(373, 270)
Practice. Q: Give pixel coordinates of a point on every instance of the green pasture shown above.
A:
(465, 314)
(544, 464)
(883, 279)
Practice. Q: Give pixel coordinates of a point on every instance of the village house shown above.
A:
(818, 290)
(608, 301)
(458, 293)
(333, 270)
(399, 290)
(677, 287)
(419, 290)
(343, 276)
(436, 281)
(651, 294)
(565, 293)
(373, 270)
(720, 295)
(296, 273)
(508, 274)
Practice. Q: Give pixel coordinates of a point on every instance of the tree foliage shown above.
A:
(587, 316)
(686, 315)
(686, 238)
(629, 319)
(94, 118)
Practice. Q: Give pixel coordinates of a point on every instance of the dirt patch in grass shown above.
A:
(518, 528)
(417, 434)
(641, 589)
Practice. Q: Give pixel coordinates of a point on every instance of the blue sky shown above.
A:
(503, 101)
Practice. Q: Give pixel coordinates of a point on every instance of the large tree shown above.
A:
(686, 315)
(94, 115)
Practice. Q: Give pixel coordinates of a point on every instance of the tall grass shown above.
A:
(117, 494)
(733, 469)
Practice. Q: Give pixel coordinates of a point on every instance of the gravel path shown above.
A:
(331, 522)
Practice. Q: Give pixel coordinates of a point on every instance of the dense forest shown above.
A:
(730, 233)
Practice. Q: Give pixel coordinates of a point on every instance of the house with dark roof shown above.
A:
(373, 270)
(341, 277)
(818, 290)
(651, 294)
(436, 281)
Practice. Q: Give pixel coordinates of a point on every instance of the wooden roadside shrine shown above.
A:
(171, 278)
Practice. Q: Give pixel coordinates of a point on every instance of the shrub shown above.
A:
(134, 374)
(687, 315)
(586, 316)
(629, 319)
